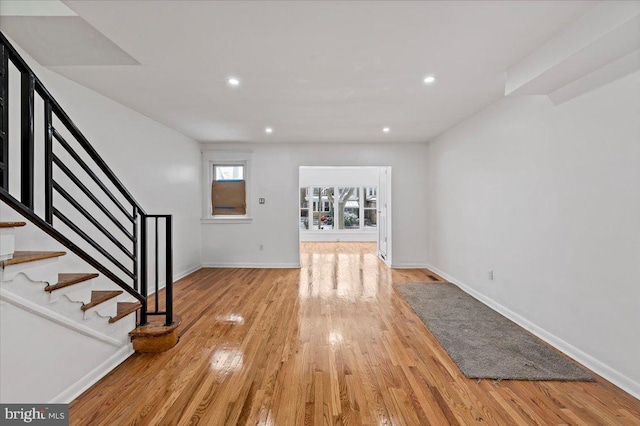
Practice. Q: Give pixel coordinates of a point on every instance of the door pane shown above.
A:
(370, 197)
(370, 218)
(370, 208)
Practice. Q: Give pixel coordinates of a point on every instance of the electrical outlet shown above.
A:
(261, 200)
(491, 274)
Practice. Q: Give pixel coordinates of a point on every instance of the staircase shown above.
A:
(32, 278)
(62, 187)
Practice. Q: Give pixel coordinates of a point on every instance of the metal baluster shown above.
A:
(27, 148)
(157, 264)
(4, 127)
(48, 162)
(169, 272)
(143, 267)
(136, 270)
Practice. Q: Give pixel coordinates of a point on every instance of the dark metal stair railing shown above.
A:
(134, 217)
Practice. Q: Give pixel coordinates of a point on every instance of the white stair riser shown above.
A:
(7, 243)
(80, 292)
(109, 308)
(45, 271)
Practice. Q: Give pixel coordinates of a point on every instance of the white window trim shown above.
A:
(211, 158)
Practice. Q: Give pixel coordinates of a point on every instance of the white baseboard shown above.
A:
(252, 265)
(186, 272)
(91, 378)
(611, 374)
(408, 266)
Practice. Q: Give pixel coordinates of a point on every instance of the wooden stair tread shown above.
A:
(30, 256)
(65, 280)
(99, 296)
(12, 224)
(124, 309)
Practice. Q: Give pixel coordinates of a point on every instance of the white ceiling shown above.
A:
(63, 40)
(315, 71)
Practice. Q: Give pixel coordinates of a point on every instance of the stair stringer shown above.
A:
(68, 305)
(48, 357)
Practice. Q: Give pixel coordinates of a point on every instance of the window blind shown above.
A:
(228, 197)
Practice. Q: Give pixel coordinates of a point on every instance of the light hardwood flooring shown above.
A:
(330, 343)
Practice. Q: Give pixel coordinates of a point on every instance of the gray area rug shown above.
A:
(483, 343)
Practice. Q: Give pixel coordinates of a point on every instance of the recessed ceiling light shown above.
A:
(386, 129)
(268, 130)
(429, 79)
(233, 81)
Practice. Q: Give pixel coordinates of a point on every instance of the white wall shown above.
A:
(275, 174)
(338, 176)
(549, 198)
(54, 364)
(159, 166)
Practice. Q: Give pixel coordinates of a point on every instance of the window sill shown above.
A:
(226, 219)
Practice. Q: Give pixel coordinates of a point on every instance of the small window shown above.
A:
(229, 172)
(323, 209)
(228, 190)
(304, 208)
(349, 208)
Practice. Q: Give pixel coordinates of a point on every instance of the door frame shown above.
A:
(387, 204)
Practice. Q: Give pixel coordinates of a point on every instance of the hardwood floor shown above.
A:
(330, 343)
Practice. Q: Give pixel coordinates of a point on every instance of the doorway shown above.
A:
(346, 204)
